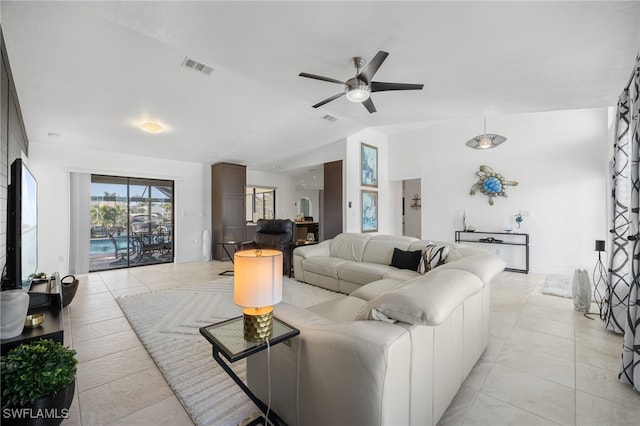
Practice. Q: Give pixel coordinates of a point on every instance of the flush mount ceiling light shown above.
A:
(151, 127)
(486, 140)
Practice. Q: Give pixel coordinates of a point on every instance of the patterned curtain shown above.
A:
(615, 304)
(621, 310)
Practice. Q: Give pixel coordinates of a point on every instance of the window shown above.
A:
(261, 203)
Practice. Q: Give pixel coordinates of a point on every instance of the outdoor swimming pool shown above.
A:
(104, 245)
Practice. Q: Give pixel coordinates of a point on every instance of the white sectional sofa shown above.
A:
(392, 348)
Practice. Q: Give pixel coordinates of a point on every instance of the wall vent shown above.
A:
(197, 66)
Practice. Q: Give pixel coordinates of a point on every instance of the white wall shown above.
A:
(389, 193)
(560, 160)
(51, 165)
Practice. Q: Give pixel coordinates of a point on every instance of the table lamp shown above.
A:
(257, 286)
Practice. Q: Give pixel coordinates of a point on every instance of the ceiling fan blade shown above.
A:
(319, 77)
(378, 86)
(372, 67)
(368, 104)
(326, 101)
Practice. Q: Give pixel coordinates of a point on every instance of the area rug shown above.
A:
(558, 285)
(167, 323)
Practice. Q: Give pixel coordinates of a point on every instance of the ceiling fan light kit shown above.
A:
(358, 89)
(486, 140)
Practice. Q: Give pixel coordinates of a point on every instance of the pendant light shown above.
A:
(485, 141)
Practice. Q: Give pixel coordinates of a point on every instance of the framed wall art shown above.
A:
(369, 203)
(368, 165)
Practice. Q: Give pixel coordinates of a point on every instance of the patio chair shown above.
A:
(124, 249)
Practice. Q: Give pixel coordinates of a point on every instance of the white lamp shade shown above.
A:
(257, 278)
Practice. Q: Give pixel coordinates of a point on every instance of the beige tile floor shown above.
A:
(545, 365)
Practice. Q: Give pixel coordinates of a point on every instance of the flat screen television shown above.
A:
(22, 227)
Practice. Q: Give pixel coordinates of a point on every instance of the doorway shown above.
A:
(131, 222)
(412, 208)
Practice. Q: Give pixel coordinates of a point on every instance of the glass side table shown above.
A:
(227, 337)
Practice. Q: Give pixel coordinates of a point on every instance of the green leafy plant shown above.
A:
(36, 369)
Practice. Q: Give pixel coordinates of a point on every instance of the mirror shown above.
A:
(304, 206)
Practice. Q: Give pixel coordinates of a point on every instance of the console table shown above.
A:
(500, 238)
(227, 337)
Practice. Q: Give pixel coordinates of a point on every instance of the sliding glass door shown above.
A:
(131, 222)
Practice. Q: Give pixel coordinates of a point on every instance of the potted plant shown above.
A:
(38, 383)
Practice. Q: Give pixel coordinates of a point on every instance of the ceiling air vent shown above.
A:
(197, 66)
(330, 118)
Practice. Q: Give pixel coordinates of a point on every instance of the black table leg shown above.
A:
(273, 417)
(229, 271)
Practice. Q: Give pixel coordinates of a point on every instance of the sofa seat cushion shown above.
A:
(327, 266)
(362, 272)
(340, 309)
(376, 288)
(427, 300)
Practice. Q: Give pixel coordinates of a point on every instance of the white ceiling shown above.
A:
(90, 71)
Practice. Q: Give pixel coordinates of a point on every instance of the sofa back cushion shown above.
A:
(349, 246)
(379, 248)
(421, 244)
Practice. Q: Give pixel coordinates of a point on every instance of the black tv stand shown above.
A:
(44, 297)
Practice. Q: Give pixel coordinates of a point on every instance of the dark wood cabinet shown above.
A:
(228, 199)
(303, 229)
(332, 205)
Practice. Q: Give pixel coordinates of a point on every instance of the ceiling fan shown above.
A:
(359, 88)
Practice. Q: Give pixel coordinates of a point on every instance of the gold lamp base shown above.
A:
(258, 323)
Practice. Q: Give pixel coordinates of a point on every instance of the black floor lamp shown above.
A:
(600, 278)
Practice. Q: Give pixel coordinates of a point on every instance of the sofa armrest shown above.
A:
(305, 252)
(483, 265)
(334, 362)
(313, 250)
